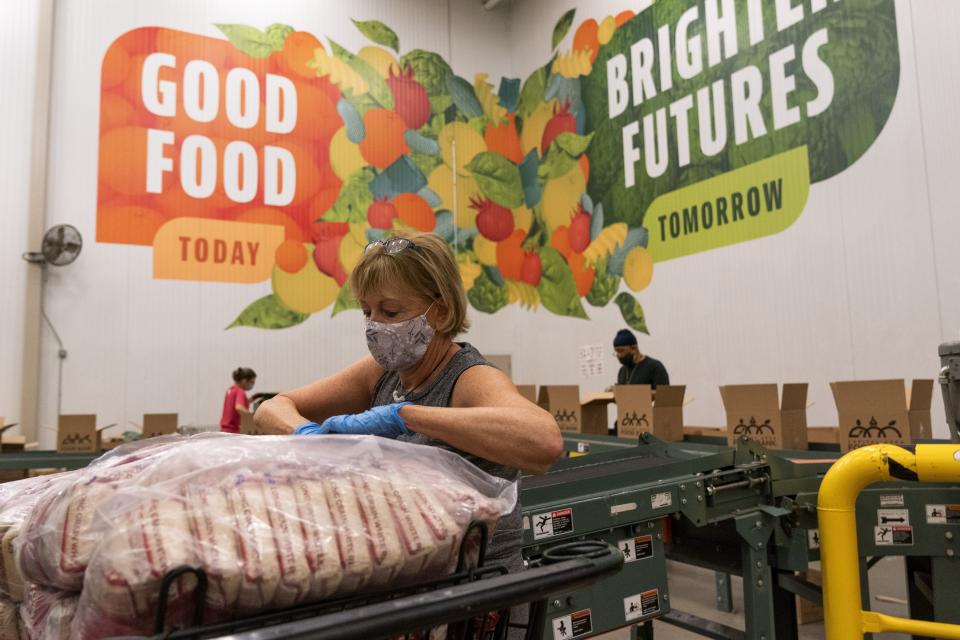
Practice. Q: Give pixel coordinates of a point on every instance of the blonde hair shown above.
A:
(429, 271)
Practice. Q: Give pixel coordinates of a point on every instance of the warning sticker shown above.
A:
(813, 538)
(641, 605)
(573, 625)
(554, 523)
(943, 514)
(896, 534)
(637, 548)
(660, 500)
(892, 500)
(892, 516)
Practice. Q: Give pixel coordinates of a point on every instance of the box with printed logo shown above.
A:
(638, 410)
(882, 411)
(563, 403)
(758, 412)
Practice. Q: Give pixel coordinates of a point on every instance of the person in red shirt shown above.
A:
(236, 399)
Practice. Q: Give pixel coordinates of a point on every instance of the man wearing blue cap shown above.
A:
(637, 368)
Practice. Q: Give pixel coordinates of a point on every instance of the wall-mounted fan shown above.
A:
(61, 246)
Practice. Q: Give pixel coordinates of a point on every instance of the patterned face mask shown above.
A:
(399, 345)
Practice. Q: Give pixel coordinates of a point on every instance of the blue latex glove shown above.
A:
(383, 421)
(310, 429)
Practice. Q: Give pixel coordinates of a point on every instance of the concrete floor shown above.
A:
(692, 591)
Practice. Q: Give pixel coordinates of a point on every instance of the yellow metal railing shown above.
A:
(836, 510)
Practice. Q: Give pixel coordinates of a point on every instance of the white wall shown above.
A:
(18, 46)
(862, 286)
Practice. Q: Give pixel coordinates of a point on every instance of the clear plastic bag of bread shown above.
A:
(273, 522)
(17, 501)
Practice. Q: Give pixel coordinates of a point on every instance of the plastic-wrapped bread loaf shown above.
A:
(288, 538)
(273, 522)
(46, 614)
(9, 620)
(320, 538)
(16, 503)
(260, 569)
(217, 547)
(356, 563)
(147, 541)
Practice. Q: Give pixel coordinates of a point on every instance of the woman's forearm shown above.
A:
(278, 416)
(526, 439)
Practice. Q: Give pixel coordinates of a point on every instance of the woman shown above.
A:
(236, 399)
(420, 386)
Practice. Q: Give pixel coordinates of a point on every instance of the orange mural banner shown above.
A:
(215, 250)
(193, 128)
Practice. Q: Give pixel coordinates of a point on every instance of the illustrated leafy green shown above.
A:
(345, 300)
(561, 28)
(376, 86)
(509, 93)
(403, 176)
(498, 178)
(573, 143)
(557, 288)
(378, 32)
(339, 51)
(557, 163)
(277, 35)
(486, 296)
(464, 96)
(439, 104)
(425, 163)
(268, 313)
(529, 172)
(354, 199)
(430, 70)
(631, 311)
(532, 92)
(253, 41)
(605, 286)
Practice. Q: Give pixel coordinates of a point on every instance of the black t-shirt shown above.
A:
(648, 371)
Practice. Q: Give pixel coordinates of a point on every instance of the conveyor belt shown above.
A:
(601, 466)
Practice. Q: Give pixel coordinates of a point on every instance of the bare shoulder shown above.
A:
(485, 386)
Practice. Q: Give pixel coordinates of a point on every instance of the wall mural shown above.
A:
(688, 127)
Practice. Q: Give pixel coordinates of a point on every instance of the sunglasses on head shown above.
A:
(392, 246)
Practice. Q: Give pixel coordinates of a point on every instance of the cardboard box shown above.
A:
(593, 412)
(563, 403)
(159, 424)
(882, 411)
(78, 434)
(755, 411)
(668, 412)
(634, 409)
(638, 412)
(528, 391)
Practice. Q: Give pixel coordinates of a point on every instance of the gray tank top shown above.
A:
(504, 548)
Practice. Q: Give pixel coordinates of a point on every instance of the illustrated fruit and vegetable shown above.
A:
(389, 141)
